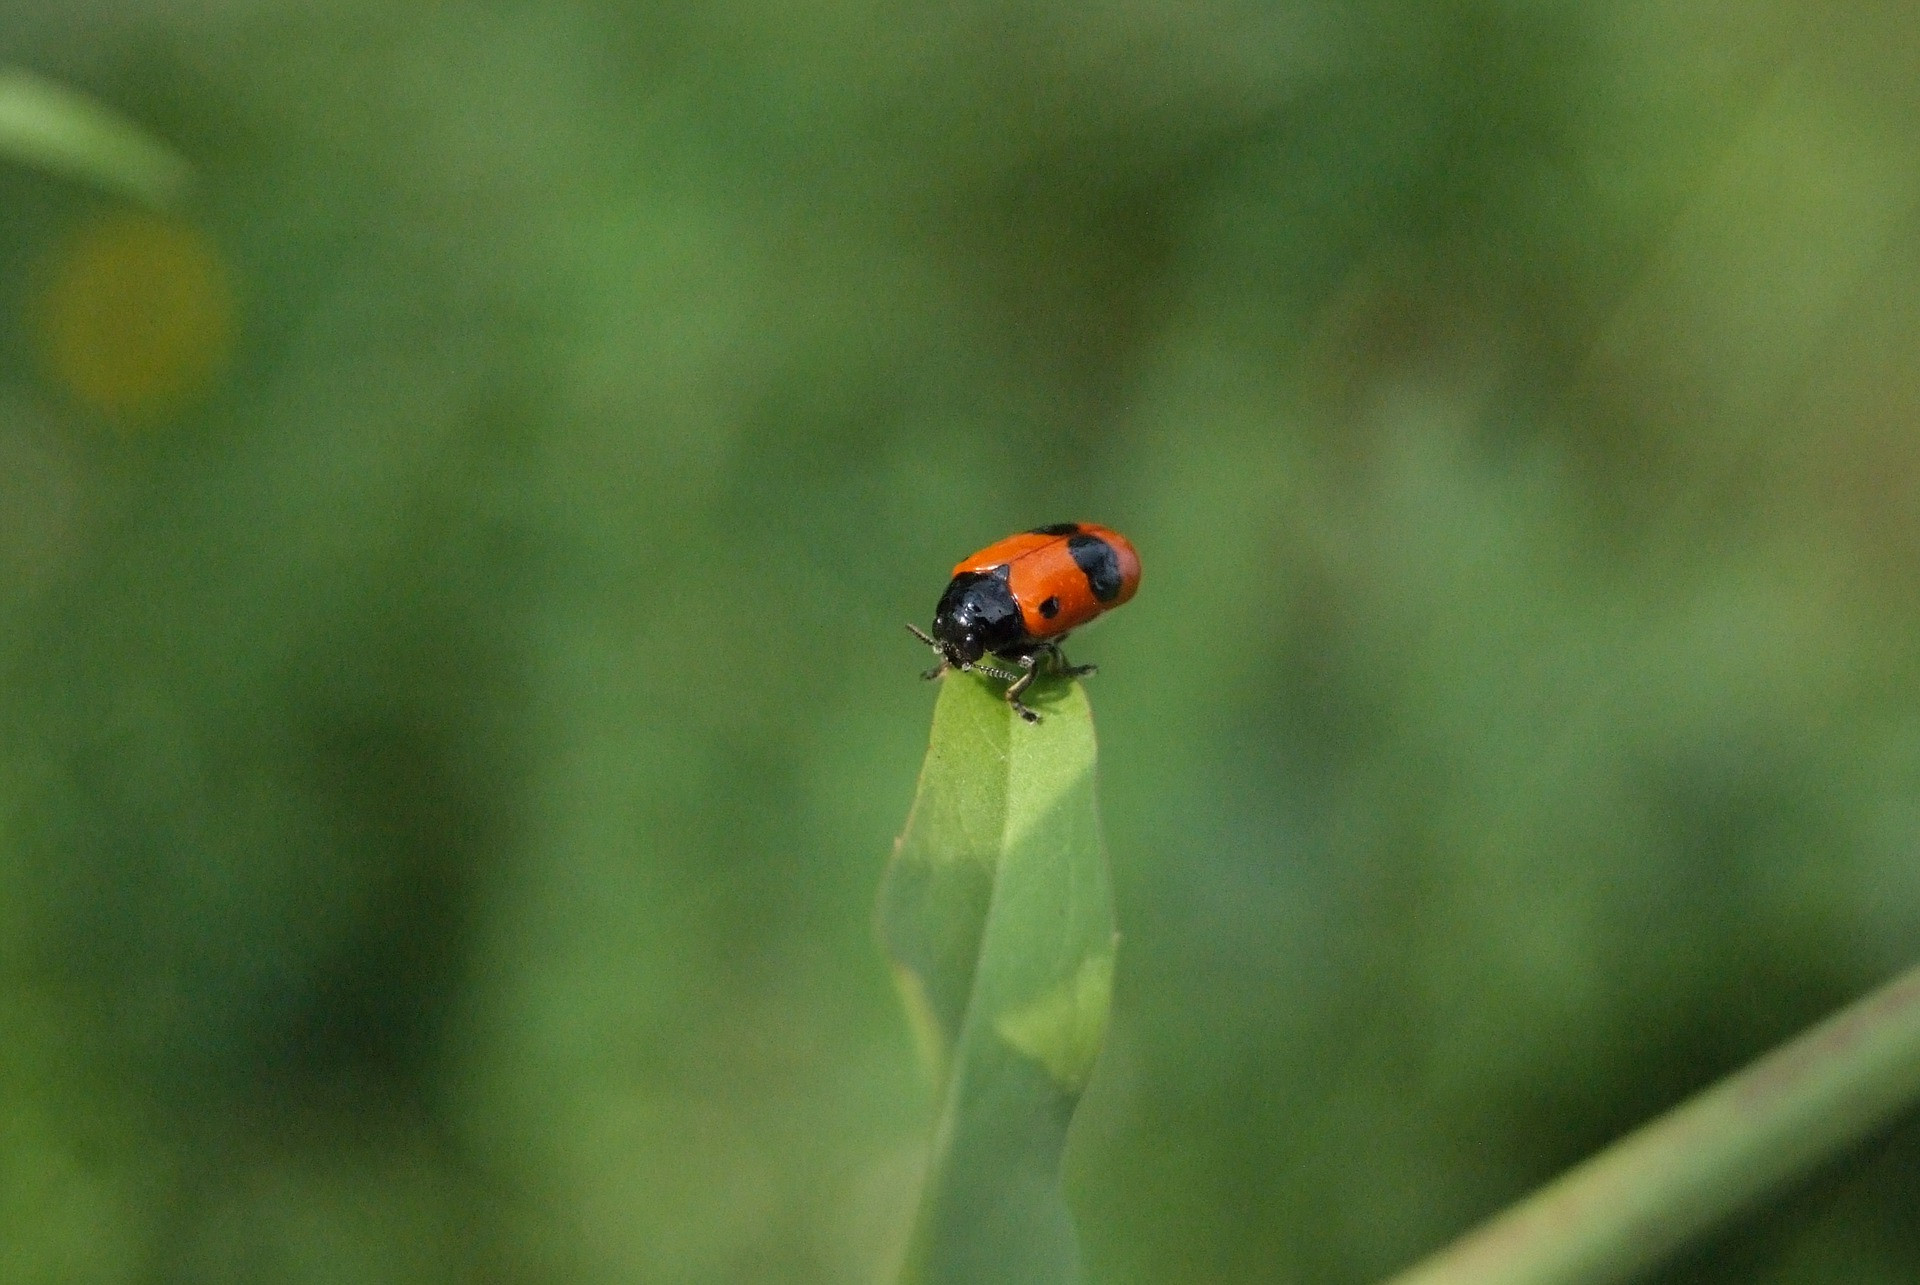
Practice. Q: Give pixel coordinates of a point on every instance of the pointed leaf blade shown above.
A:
(997, 913)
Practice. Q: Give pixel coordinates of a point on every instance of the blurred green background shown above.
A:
(453, 699)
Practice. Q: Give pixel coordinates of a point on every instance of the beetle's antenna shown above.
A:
(938, 650)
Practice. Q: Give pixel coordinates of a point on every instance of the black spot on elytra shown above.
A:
(1050, 608)
(1096, 558)
(1058, 528)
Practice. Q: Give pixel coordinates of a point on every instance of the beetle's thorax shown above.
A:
(977, 614)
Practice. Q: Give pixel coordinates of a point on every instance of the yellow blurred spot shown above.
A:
(1064, 1028)
(138, 316)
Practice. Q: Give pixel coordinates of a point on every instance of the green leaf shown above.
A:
(997, 913)
(54, 128)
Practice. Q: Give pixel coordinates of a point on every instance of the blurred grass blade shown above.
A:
(997, 914)
(1628, 1207)
(54, 128)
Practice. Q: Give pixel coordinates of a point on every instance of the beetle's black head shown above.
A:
(976, 615)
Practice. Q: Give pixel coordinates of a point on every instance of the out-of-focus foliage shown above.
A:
(453, 704)
(52, 127)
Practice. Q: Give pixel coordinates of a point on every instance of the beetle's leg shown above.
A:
(1030, 665)
(1065, 668)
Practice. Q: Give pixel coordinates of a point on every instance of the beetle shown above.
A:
(1019, 598)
